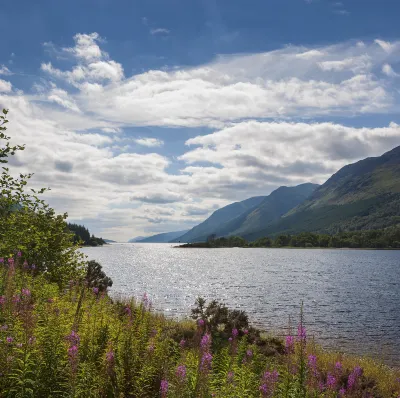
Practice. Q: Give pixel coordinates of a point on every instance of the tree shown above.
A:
(29, 225)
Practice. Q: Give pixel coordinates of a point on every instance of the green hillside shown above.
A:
(360, 196)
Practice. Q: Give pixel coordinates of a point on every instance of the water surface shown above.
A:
(351, 297)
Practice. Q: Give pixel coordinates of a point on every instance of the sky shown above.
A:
(146, 116)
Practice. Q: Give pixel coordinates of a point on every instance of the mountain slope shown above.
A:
(220, 216)
(162, 238)
(270, 209)
(363, 195)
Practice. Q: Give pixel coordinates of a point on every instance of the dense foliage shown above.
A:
(82, 236)
(77, 342)
(28, 224)
(388, 238)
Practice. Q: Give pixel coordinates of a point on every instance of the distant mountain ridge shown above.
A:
(363, 195)
(161, 238)
(242, 218)
(220, 216)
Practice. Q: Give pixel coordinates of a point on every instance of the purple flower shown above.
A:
(4, 327)
(268, 383)
(342, 392)
(289, 344)
(182, 343)
(11, 261)
(230, 376)
(110, 356)
(331, 381)
(128, 311)
(206, 360)
(19, 254)
(301, 333)
(9, 340)
(31, 340)
(26, 292)
(200, 322)
(33, 266)
(338, 367)
(16, 299)
(353, 377)
(73, 338)
(249, 353)
(164, 388)
(96, 290)
(245, 331)
(205, 341)
(19, 345)
(151, 348)
(2, 300)
(312, 364)
(230, 339)
(235, 333)
(1, 260)
(72, 355)
(181, 373)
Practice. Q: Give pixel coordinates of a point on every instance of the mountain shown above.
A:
(220, 216)
(162, 238)
(136, 239)
(360, 196)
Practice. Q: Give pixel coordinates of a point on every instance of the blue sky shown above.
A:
(145, 116)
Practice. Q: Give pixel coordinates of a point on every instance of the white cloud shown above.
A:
(149, 142)
(386, 45)
(79, 143)
(158, 31)
(5, 86)
(388, 71)
(4, 70)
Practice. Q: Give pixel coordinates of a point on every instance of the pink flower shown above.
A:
(26, 292)
(200, 322)
(164, 388)
(182, 343)
(235, 333)
(289, 344)
(9, 340)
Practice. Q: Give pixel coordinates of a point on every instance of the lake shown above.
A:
(351, 297)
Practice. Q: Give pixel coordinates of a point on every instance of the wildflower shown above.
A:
(181, 373)
(200, 322)
(2, 300)
(230, 339)
(353, 377)
(338, 367)
(128, 311)
(151, 348)
(33, 266)
(205, 341)
(268, 383)
(342, 392)
(312, 364)
(72, 356)
(182, 343)
(301, 333)
(206, 360)
(245, 331)
(110, 358)
(230, 376)
(4, 327)
(26, 292)
(145, 300)
(19, 345)
(19, 254)
(330, 381)
(16, 299)
(289, 344)
(164, 388)
(235, 333)
(25, 264)
(96, 290)
(249, 353)
(73, 338)
(9, 340)
(2, 260)
(31, 340)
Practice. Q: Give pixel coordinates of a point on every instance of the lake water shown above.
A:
(351, 297)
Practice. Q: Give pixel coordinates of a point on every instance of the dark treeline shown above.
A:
(82, 234)
(388, 238)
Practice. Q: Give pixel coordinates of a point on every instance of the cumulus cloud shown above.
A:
(76, 128)
(5, 86)
(149, 142)
(4, 70)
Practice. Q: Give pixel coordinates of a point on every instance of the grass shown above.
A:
(78, 342)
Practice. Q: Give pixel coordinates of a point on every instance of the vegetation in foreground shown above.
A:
(74, 341)
(388, 238)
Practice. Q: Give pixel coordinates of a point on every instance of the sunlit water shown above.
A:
(351, 297)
